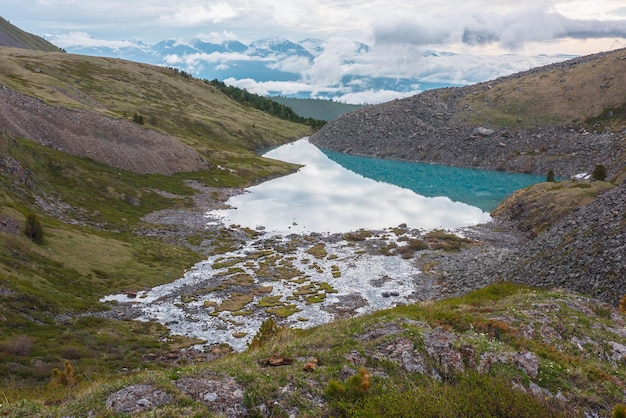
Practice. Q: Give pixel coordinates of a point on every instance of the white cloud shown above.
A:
(195, 14)
(84, 39)
(294, 64)
(333, 63)
(217, 37)
(265, 88)
(510, 30)
(212, 58)
(373, 96)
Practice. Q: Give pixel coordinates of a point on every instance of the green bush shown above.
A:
(137, 118)
(471, 395)
(33, 228)
(599, 173)
(619, 411)
(267, 330)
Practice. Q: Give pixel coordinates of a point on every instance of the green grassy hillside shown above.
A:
(191, 110)
(559, 94)
(95, 239)
(502, 351)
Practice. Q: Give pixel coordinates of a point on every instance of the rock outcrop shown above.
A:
(586, 252)
(474, 127)
(115, 142)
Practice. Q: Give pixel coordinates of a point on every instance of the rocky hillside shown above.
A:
(585, 251)
(14, 37)
(127, 115)
(107, 169)
(566, 117)
(113, 141)
(528, 122)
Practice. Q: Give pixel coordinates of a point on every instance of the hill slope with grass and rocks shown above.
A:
(568, 118)
(108, 167)
(564, 117)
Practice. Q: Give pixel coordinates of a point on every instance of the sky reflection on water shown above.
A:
(325, 197)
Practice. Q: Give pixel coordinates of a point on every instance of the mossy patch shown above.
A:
(221, 263)
(270, 301)
(235, 302)
(262, 290)
(240, 279)
(318, 251)
(441, 240)
(284, 311)
(360, 235)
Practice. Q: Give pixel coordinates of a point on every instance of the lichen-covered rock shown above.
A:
(440, 346)
(222, 394)
(137, 398)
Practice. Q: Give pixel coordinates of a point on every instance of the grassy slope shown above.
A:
(90, 212)
(42, 286)
(502, 320)
(191, 110)
(538, 207)
(559, 95)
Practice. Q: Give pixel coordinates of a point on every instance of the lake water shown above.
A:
(323, 196)
(334, 193)
(481, 188)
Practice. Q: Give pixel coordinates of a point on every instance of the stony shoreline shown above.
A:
(449, 273)
(505, 253)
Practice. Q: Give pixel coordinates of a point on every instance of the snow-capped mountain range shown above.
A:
(342, 70)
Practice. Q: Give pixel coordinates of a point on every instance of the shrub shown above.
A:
(470, 395)
(354, 387)
(266, 331)
(550, 176)
(619, 411)
(417, 245)
(599, 173)
(358, 383)
(66, 378)
(406, 252)
(33, 228)
(335, 389)
(20, 346)
(137, 118)
(622, 304)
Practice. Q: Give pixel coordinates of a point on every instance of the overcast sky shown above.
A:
(529, 26)
(473, 29)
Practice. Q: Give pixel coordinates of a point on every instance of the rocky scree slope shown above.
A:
(520, 123)
(86, 106)
(585, 252)
(115, 142)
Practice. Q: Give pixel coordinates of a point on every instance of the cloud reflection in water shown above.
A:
(325, 197)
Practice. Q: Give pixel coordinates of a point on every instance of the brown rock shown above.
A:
(276, 360)
(310, 367)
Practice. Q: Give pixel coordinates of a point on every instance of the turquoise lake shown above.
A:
(334, 193)
(481, 188)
